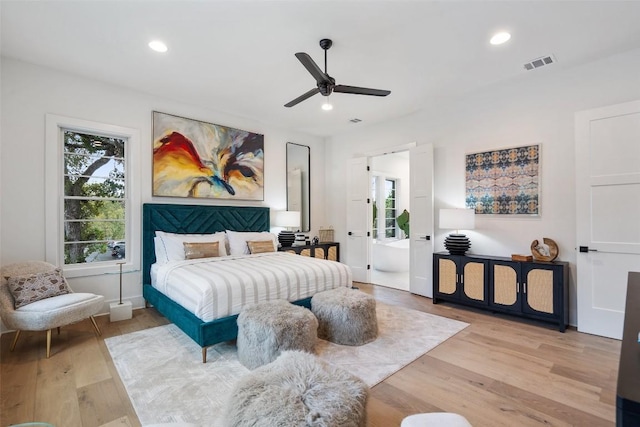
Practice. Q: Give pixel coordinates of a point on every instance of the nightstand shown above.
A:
(326, 250)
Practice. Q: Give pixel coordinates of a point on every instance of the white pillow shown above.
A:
(174, 243)
(238, 240)
(161, 252)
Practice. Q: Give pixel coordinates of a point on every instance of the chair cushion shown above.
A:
(57, 302)
(29, 288)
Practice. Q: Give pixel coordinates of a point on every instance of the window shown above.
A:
(91, 196)
(94, 197)
(389, 208)
(374, 192)
(383, 192)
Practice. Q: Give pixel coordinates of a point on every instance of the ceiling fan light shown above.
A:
(158, 46)
(500, 38)
(326, 106)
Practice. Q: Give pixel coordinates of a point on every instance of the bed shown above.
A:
(192, 219)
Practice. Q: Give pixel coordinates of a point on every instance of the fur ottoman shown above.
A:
(297, 390)
(345, 316)
(267, 328)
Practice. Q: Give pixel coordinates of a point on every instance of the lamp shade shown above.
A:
(289, 219)
(457, 219)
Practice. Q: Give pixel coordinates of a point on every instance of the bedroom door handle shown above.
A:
(350, 233)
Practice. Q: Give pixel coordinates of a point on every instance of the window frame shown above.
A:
(54, 194)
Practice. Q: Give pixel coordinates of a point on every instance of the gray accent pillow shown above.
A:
(35, 287)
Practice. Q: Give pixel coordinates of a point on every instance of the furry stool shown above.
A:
(345, 316)
(297, 390)
(267, 328)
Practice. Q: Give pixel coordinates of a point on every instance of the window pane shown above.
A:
(390, 233)
(390, 223)
(102, 210)
(78, 253)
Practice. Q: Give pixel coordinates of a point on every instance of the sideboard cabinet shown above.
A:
(536, 290)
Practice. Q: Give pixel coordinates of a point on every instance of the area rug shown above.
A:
(162, 368)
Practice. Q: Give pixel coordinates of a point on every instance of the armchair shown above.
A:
(47, 313)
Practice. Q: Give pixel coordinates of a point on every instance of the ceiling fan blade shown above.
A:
(361, 90)
(302, 97)
(312, 67)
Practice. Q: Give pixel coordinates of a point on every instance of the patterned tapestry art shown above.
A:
(504, 181)
(199, 159)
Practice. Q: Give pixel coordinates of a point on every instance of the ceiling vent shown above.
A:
(539, 62)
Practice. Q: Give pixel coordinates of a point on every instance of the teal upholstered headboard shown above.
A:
(195, 219)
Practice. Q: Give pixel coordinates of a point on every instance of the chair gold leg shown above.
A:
(48, 343)
(95, 325)
(15, 340)
(204, 354)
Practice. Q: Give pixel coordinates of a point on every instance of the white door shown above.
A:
(421, 217)
(608, 214)
(359, 217)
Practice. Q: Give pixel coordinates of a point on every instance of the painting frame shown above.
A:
(203, 160)
(504, 181)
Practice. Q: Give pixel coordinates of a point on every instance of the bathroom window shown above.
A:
(383, 196)
(390, 208)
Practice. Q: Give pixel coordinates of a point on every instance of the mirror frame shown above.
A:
(299, 155)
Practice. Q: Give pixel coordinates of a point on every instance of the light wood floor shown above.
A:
(499, 371)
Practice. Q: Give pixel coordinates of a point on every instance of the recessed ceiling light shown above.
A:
(500, 38)
(158, 46)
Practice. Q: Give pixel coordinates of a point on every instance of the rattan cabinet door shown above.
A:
(542, 289)
(504, 286)
(473, 279)
(447, 283)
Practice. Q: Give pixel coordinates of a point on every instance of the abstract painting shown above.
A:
(504, 181)
(198, 159)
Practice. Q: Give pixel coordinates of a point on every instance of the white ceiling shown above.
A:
(238, 56)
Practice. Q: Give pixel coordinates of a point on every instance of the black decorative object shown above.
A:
(457, 244)
(286, 238)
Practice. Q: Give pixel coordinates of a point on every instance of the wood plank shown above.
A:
(100, 404)
(56, 397)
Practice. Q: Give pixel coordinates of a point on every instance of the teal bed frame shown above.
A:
(192, 219)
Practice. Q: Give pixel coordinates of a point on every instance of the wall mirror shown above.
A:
(298, 182)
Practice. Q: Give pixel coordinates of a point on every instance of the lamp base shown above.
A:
(119, 311)
(286, 238)
(457, 244)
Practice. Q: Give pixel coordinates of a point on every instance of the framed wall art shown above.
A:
(204, 160)
(504, 182)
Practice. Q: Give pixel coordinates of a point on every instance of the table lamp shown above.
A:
(289, 220)
(457, 219)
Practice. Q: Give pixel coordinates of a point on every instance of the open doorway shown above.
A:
(390, 197)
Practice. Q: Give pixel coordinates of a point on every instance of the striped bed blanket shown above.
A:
(212, 288)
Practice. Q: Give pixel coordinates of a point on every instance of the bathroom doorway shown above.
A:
(390, 197)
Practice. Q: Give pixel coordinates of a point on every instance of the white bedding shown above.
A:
(212, 288)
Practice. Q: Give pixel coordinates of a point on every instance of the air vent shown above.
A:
(356, 120)
(539, 62)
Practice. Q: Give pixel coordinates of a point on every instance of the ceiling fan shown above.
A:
(327, 84)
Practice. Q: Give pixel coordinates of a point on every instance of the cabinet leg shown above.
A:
(562, 327)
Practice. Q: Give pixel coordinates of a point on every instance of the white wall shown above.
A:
(536, 107)
(29, 92)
